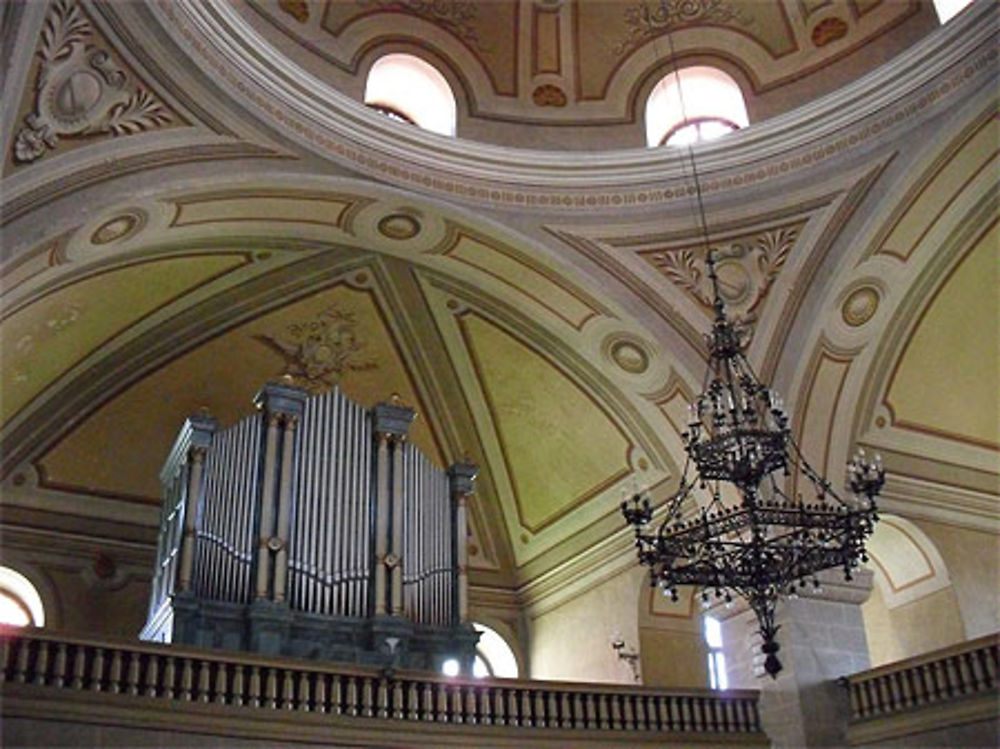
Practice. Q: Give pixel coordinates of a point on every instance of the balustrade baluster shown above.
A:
(351, 697)
(42, 662)
(441, 710)
(565, 710)
(254, 694)
(642, 722)
(152, 674)
(367, 697)
(271, 689)
(221, 683)
(602, 711)
(951, 673)
(552, 717)
(398, 692)
(5, 651)
(499, 706)
(617, 714)
(59, 671)
(187, 679)
(21, 662)
(427, 699)
(590, 705)
(115, 672)
(471, 714)
(169, 677)
(456, 704)
(628, 711)
(486, 706)
(413, 711)
(382, 699)
(687, 714)
(513, 713)
(79, 665)
(237, 697)
(287, 697)
(577, 708)
(662, 712)
(989, 657)
(965, 673)
(320, 697)
(303, 693)
(527, 713)
(337, 696)
(940, 680)
(204, 680)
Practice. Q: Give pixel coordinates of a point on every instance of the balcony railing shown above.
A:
(255, 685)
(964, 670)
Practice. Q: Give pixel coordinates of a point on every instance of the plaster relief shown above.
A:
(81, 90)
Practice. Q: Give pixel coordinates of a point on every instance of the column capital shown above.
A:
(392, 419)
(278, 398)
(462, 478)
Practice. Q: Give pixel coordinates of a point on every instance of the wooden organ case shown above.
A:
(313, 528)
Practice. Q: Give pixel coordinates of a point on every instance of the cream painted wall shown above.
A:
(913, 628)
(573, 641)
(973, 560)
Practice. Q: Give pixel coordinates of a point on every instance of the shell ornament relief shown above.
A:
(80, 90)
(746, 270)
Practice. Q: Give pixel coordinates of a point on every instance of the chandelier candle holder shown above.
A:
(754, 540)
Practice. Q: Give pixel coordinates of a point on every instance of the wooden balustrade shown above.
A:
(248, 681)
(967, 669)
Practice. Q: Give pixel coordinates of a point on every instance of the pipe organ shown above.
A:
(313, 528)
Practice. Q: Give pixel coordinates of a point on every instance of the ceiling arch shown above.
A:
(464, 322)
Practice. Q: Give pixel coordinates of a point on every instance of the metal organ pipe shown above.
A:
(311, 502)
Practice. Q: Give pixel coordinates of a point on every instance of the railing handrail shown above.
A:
(968, 669)
(68, 662)
(349, 669)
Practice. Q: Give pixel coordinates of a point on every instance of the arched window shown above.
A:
(948, 9)
(20, 604)
(717, 677)
(692, 104)
(408, 89)
(493, 655)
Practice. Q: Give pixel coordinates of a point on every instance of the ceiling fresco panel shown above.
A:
(560, 445)
(45, 339)
(336, 335)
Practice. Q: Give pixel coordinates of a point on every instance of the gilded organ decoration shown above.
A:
(81, 90)
(747, 267)
(318, 352)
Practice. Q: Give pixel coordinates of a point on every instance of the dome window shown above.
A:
(407, 89)
(20, 604)
(948, 9)
(693, 104)
(494, 656)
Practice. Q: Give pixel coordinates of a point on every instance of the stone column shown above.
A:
(822, 637)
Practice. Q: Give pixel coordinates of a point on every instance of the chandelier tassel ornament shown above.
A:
(750, 538)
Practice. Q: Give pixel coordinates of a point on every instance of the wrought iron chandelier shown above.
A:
(753, 540)
(765, 544)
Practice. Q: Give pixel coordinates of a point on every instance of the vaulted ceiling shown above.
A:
(204, 224)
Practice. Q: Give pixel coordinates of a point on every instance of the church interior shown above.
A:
(497, 214)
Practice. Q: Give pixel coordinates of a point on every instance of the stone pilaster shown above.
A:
(822, 638)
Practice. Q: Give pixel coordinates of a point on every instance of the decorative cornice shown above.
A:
(926, 78)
